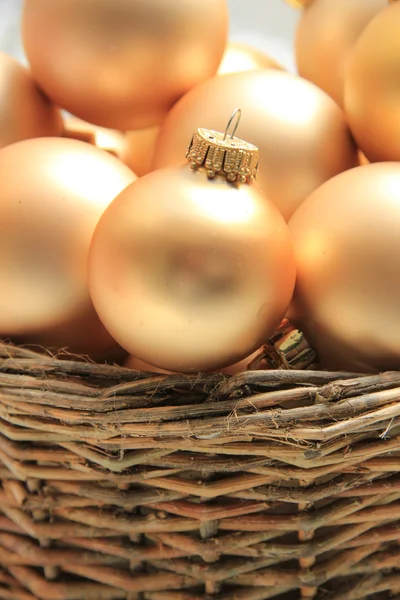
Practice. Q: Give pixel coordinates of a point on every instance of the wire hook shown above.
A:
(237, 113)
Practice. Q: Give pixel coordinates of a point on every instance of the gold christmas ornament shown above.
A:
(326, 34)
(138, 365)
(25, 112)
(241, 57)
(286, 349)
(301, 133)
(298, 3)
(138, 148)
(52, 193)
(110, 140)
(134, 148)
(188, 271)
(139, 145)
(123, 63)
(362, 159)
(346, 241)
(372, 93)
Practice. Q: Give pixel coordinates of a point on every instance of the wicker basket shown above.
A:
(270, 484)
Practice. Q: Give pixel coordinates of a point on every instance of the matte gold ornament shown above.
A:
(52, 193)
(346, 241)
(298, 3)
(123, 63)
(138, 365)
(139, 145)
(188, 271)
(241, 57)
(25, 112)
(300, 131)
(134, 148)
(372, 93)
(326, 34)
(287, 348)
(110, 140)
(138, 149)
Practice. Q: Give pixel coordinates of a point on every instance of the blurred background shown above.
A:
(266, 24)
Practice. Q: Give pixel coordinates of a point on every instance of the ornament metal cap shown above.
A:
(286, 349)
(224, 154)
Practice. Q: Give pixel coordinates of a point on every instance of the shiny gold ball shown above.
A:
(190, 274)
(326, 34)
(300, 131)
(123, 63)
(372, 91)
(52, 194)
(346, 242)
(25, 112)
(241, 57)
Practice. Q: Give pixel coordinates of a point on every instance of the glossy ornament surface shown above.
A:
(300, 131)
(372, 91)
(25, 112)
(189, 273)
(123, 63)
(241, 57)
(52, 194)
(346, 242)
(326, 34)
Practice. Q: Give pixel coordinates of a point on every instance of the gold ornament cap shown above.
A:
(224, 154)
(286, 349)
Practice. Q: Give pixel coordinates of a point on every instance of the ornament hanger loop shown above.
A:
(237, 113)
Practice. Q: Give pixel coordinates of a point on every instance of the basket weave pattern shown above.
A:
(270, 484)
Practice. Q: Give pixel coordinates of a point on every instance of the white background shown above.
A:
(266, 24)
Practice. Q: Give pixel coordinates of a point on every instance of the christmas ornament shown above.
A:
(371, 87)
(241, 57)
(286, 349)
(326, 34)
(298, 3)
(362, 159)
(123, 63)
(243, 365)
(300, 131)
(139, 145)
(191, 269)
(110, 140)
(135, 148)
(346, 241)
(52, 193)
(138, 149)
(25, 112)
